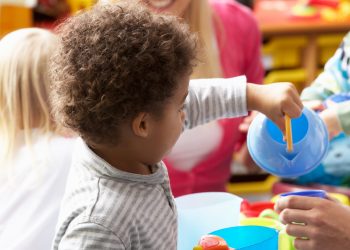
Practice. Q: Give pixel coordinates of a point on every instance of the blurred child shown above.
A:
(121, 81)
(34, 158)
(333, 80)
(329, 94)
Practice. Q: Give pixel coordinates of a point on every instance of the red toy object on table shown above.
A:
(254, 209)
(212, 242)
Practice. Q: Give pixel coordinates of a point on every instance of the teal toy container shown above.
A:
(249, 237)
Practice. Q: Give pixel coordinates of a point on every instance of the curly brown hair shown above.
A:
(115, 61)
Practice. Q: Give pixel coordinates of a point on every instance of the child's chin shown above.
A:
(168, 152)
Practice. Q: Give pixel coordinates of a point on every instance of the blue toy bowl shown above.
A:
(249, 237)
(269, 151)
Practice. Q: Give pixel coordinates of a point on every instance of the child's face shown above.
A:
(174, 7)
(170, 125)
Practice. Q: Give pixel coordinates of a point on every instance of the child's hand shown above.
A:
(275, 100)
(244, 126)
(316, 105)
(330, 118)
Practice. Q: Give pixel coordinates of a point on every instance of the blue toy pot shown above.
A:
(249, 237)
(309, 193)
(268, 150)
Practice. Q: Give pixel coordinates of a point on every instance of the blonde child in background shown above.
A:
(121, 81)
(34, 159)
(230, 43)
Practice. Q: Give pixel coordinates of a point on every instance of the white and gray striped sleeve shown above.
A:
(90, 236)
(211, 99)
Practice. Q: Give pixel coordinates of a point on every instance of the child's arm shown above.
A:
(211, 99)
(337, 119)
(208, 100)
(335, 77)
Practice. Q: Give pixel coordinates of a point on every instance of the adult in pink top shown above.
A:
(201, 159)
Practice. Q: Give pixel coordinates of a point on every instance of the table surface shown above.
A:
(275, 17)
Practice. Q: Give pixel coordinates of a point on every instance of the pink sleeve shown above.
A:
(239, 40)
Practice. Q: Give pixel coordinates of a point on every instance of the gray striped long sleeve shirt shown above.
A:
(105, 208)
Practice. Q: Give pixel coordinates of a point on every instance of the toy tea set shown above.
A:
(216, 220)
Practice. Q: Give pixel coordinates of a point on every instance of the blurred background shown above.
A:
(298, 37)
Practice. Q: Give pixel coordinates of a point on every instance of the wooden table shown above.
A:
(275, 19)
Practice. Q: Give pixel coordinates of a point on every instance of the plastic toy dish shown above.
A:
(309, 193)
(342, 198)
(264, 222)
(302, 11)
(269, 213)
(269, 150)
(253, 209)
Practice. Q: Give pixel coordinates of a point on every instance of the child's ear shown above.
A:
(141, 124)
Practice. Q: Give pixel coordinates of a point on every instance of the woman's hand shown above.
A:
(317, 224)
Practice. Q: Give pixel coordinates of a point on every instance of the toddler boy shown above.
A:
(120, 79)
